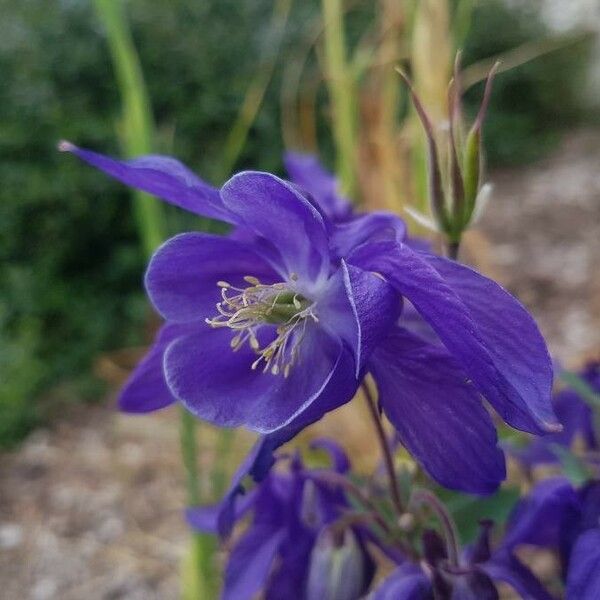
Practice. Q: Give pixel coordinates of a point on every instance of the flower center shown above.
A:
(246, 310)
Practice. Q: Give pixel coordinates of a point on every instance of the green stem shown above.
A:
(189, 449)
(236, 139)
(137, 137)
(137, 129)
(342, 94)
(448, 526)
(220, 475)
(385, 450)
(203, 546)
(452, 248)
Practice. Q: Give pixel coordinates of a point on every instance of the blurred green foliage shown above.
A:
(531, 104)
(70, 262)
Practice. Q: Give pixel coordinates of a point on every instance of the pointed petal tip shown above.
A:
(553, 427)
(404, 76)
(65, 146)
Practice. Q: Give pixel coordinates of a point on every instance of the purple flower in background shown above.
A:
(577, 419)
(349, 228)
(472, 579)
(295, 534)
(559, 517)
(308, 173)
(302, 299)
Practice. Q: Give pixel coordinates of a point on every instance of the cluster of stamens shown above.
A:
(246, 310)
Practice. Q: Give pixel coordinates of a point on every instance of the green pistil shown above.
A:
(285, 307)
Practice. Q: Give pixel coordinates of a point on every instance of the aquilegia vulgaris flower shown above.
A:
(558, 517)
(277, 323)
(299, 528)
(473, 576)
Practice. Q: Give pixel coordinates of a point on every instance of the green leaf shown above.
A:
(467, 511)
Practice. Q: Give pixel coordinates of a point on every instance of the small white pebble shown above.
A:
(11, 536)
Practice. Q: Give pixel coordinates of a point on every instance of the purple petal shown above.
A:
(160, 176)
(537, 519)
(437, 413)
(340, 389)
(275, 211)
(480, 550)
(407, 582)
(510, 335)
(250, 562)
(577, 419)
(589, 495)
(306, 171)
(505, 567)
(215, 518)
(204, 518)
(466, 329)
(218, 385)
(370, 227)
(146, 389)
(338, 456)
(229, 511)
(291, 572)
(583, 578)
(182, 276)
(475, 585)
(359, 307)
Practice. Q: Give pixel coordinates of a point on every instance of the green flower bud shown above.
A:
(454, 204)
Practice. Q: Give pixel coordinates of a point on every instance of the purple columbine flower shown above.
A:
(277, 323)
(556, 516)
(259, 325)
(295, 534)
(472, 579)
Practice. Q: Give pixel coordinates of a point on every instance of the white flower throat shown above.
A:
(246, 310)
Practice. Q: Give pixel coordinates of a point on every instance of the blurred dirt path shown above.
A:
(93, 507)
(541, 239)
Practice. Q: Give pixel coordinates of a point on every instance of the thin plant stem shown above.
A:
(449, 528)
(385, 449)
(223, 450)
(137, 129)
(203, 546)
(337, 479)
(342, 93)
(452, 249)
(236, 139)
(137, 135)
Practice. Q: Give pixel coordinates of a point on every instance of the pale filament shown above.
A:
(246, 310)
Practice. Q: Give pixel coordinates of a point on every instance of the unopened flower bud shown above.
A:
(454, 194)
(338, 567)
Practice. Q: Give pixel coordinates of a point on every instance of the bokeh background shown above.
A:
(90, 501)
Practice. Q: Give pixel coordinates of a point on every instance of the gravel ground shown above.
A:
(540, 237)
(92, 507)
